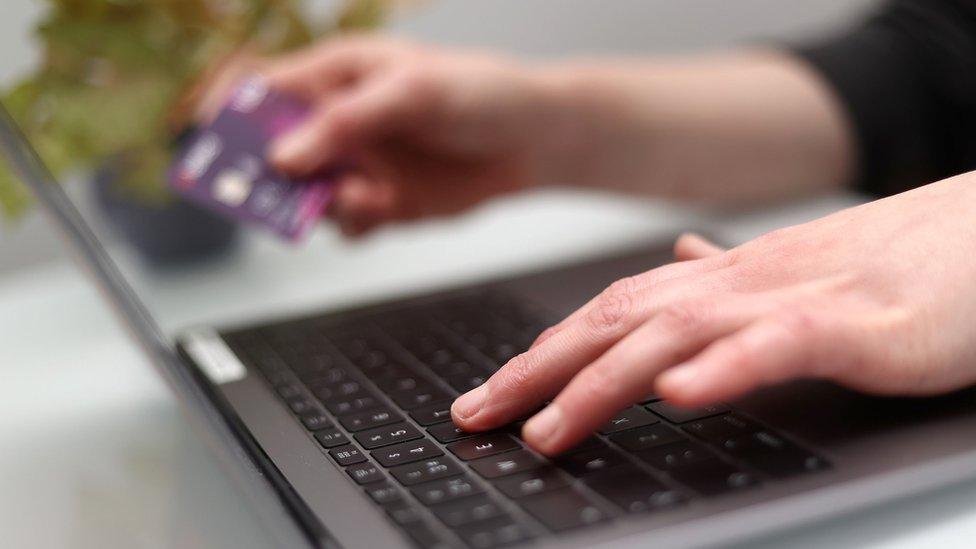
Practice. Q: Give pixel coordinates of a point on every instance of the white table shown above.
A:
(95, 452)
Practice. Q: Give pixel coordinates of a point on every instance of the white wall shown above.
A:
(540, 28)
(561, 27)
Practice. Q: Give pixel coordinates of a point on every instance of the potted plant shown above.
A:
(117, 84)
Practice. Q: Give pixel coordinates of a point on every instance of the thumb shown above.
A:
(691, 246)
(365, 115)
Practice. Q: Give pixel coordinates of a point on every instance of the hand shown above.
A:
(426, 132)
(880, 298)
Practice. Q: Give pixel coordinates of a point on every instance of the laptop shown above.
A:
(336, 423)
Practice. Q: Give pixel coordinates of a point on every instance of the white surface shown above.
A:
(96, 454)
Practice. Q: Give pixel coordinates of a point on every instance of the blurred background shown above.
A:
(536, 28)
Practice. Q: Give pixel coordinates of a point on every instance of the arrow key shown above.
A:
(406, 452)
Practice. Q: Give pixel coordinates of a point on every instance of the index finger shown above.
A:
(320, 70)
(527, 380)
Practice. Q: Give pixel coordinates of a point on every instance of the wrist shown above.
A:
(603, 133)
(574, 107)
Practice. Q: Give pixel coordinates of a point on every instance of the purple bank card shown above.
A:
(223, 166)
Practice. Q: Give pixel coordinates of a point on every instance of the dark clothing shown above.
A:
(907, 77)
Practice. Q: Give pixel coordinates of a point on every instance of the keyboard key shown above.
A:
(432, 414)
(508, 463)
(403, 513)
(383, 492)
(362, 401)
(649, 398)
(372, 360)
(448, 432)
(712, 477)
(337, 391)
(354, 347)
(684, 415)
(347, 455)
(369, 419)
(445, 490)
(503, 352)
(494, 532)
(422, 395)
(365, 473)
(315, 421)
(386, 435)
(425, 537)
(588, 462)
(440, 359)
(589, 443)
(633, 490)
(482, 446)
(646, 437)
(406, 452)
(530, 483)
(330, 438)
(773, 455)
(324, 376)
(459, 368)
(401, 379)
(628, 419)
(467, 511)
(425, 471)
(563, 509)
(288, 390)
(675, 455)
(302, 405)
(719, 429)
(466, 382)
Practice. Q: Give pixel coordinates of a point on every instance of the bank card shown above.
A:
(222, 165)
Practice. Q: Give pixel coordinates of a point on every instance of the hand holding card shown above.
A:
(223, 166)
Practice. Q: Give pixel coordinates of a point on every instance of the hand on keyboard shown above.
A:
(878, 298)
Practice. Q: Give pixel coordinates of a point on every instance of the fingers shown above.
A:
(362, 203)
(691, 246)
(220, 83)
(627, 371)
(637, 284)
(316, 72)
(380, 108)
(769, 351)
(529, 379)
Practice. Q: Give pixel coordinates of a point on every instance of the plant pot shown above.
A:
(173, 234)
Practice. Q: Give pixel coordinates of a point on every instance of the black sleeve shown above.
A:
(907, 77)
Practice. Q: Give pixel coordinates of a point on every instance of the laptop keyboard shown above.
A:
(375, 390)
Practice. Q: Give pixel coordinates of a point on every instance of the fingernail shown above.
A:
(470, 403)
(543, 425)
(679, 377)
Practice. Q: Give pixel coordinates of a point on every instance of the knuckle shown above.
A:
(610, 312)
(599, 384)
(547, 333)
(624, 286)
(730, 258)
(418, 80)
(516, 377)
(339, 121)
(797, 325)
(683, 317)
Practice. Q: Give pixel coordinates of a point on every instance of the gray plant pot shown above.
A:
(171, 235)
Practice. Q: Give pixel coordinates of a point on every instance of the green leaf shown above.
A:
(113, 70)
